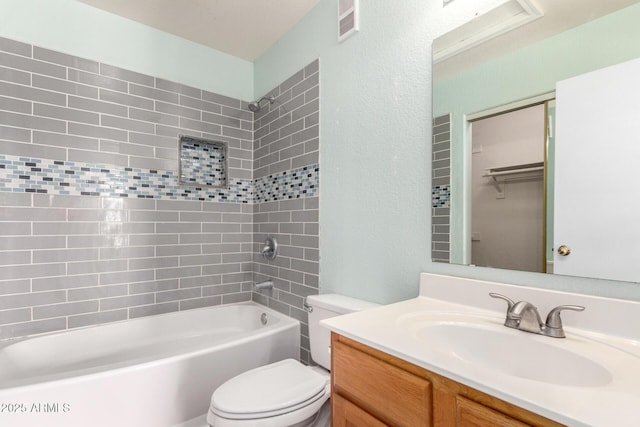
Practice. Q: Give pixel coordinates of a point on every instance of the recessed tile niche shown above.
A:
(203, 162)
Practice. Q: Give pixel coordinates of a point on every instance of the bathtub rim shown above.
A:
(9, 341)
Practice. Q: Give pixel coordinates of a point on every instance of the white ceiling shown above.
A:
(242, 28)
(247, 28)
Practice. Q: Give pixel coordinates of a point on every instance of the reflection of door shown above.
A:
(507, 207)
(597, 174)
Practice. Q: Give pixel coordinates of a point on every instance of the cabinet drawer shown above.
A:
(389, 393)
(346, 414)
(473, 414)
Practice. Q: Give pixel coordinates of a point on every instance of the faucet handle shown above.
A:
(510, 302)
(554, 322)
(510, 321)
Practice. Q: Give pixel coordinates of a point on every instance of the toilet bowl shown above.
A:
(285, 393)
(280, 394)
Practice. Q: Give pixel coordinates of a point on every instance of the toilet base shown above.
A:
(199, 421)
(323, 417)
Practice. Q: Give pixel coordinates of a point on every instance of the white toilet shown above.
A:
(285, 393)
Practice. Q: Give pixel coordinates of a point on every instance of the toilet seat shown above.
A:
(271, 391)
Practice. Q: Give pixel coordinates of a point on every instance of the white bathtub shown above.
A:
(155, 371)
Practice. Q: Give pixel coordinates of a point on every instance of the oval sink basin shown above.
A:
(513, 352)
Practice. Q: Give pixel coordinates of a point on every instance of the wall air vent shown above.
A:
(347, 18)
(508, 16)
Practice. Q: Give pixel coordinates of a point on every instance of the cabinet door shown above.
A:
(473, 414)
(346, 414)
(390, 393)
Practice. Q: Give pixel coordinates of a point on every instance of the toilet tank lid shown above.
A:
(339, 303)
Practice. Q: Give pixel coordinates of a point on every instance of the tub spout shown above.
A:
(267, 284)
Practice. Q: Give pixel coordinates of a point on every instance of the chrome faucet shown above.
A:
(524, 316)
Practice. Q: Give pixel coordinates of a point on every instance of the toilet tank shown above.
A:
(326, 306)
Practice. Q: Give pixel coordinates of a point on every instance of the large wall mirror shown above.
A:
(503, 157)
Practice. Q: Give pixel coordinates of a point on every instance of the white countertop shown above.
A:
(616, 332)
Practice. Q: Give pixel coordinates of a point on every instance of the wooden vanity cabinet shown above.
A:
(370, 388)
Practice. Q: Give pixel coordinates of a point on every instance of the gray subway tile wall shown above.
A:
(90, 258)
(441, 189)
(286, 172)
(72, 256)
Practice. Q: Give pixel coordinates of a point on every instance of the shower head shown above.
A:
(255, 105)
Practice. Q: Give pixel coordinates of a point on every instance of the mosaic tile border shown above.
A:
(441, 196)
(31, 175)
(291, 184)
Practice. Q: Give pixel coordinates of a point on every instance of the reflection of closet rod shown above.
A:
(512, 170)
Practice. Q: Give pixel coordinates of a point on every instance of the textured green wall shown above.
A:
(375, 93)
(374, 150)
(374, 143)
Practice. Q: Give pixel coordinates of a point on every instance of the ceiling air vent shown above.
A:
(347, 18)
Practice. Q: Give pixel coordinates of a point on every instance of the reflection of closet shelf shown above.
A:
(514, 170)
(510, 173)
